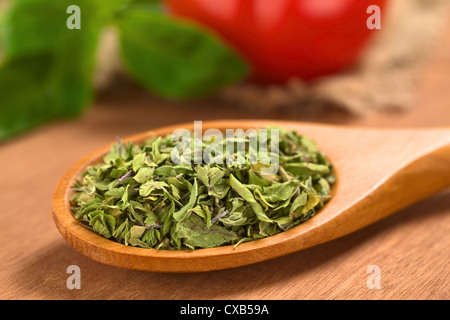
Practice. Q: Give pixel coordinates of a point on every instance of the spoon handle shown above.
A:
(422, 174)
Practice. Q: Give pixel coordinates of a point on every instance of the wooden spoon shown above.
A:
(379, 172)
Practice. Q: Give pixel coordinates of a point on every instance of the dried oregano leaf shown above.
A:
(138, 196)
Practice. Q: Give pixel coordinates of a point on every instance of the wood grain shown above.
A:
(410, 247)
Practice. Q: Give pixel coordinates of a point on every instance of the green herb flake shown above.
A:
(139, 197)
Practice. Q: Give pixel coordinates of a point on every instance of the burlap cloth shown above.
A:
(385, 76)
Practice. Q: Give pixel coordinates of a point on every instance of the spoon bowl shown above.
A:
(379, 171)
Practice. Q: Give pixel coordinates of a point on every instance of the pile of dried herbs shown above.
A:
(137, 196)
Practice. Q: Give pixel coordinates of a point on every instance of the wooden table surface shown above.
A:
(411, 247)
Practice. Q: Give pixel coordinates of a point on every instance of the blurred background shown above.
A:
(123, 66)
(76, 74)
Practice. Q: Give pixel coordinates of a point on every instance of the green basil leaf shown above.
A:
(47, 68)
(176, 59)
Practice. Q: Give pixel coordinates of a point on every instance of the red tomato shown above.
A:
(281, 39)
